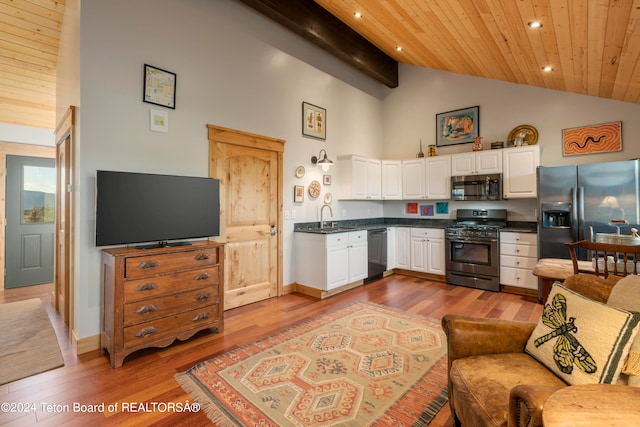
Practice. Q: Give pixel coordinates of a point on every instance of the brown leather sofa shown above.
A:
(502, 385)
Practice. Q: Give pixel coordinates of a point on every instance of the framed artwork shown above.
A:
(426, 210)
(457, 126)
(159, 87)
(326, 179)
(298, 193)
(412, 208)
(602, 138)
(314, 121)
(158, 121)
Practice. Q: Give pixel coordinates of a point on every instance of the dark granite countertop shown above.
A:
(371, 223)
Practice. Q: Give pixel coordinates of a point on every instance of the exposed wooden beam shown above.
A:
(311, 21)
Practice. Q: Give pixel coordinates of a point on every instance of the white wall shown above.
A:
(235, 68)
(26, 135)
(410, 114)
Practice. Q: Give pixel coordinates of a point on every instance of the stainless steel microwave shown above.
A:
(477, 187)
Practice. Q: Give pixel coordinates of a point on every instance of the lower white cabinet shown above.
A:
(328, 261)
(427, 250)
(391, 248)
(403, 248)
(518, 257)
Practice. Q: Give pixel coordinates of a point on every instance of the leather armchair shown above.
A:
(492, 381)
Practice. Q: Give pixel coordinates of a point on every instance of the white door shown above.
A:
(337, 266)
(419, 254)
(435, 249)
(358, 263)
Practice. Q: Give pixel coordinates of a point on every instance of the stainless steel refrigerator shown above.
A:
(575, 202)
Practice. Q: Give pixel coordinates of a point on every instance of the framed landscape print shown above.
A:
(457, 126)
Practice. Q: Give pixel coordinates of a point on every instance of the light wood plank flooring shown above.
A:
(147, 376)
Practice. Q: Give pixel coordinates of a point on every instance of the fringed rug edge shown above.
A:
(213, 412)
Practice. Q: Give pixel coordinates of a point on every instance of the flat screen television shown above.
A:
(139, 208)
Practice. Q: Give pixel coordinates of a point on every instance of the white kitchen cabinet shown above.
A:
(403, 247)
(518, 257)
(438, 177)
(392, 180)
(328, 261)
(374, 179)
(519, 178)
(360, 178)
(476, 162)
(427, 250)
(391, 248)
(413, 179)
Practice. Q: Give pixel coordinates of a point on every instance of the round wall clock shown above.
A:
(300, 171)
(314, 189)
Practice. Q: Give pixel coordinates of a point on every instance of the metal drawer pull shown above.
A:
(145, 332)
(201, 316)
(145, 265)
(203, 296)
(202, 256)
(148, 286)
(146, 309)
(202, 276)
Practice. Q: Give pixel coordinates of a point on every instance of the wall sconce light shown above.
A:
(324, 161)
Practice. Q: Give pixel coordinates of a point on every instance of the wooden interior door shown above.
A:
(64, 198)
(249, 168)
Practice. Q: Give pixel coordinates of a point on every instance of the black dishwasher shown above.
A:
(377, 259)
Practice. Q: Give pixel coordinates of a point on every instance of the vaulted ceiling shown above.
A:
(593, 46)
(29, 36)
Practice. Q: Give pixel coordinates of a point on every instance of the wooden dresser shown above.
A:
(153, 297)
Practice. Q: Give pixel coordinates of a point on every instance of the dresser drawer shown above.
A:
(149, 287)
(149, 265)
(155, 308)
(170, 326)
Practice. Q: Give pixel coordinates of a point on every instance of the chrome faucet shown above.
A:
(322, 211)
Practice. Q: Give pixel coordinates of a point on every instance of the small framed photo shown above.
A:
(298, 193)
(158, 121)
(326, 179)
(159, 87)
(457, 126)
(314, 121)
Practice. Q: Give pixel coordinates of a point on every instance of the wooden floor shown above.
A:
(147, 376)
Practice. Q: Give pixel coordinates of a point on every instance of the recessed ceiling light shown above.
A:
(398, 48)
(357, 15)
(535, 24)
(547, 68)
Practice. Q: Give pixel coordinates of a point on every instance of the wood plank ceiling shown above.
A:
(29, 36)
(593, 46)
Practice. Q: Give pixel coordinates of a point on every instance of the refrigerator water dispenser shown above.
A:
(556, 215)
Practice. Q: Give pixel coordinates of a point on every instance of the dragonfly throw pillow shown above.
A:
(581, 340)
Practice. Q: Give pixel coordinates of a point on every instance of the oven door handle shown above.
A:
(470, 240)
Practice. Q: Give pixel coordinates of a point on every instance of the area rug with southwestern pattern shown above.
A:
(362, 365)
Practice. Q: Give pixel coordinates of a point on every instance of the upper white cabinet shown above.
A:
(476, 162)
(519, 178)
(360, 178)
(413, 179)
(438, 173)
(391, 179)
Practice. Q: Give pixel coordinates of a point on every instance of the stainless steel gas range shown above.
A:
(473, 248)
